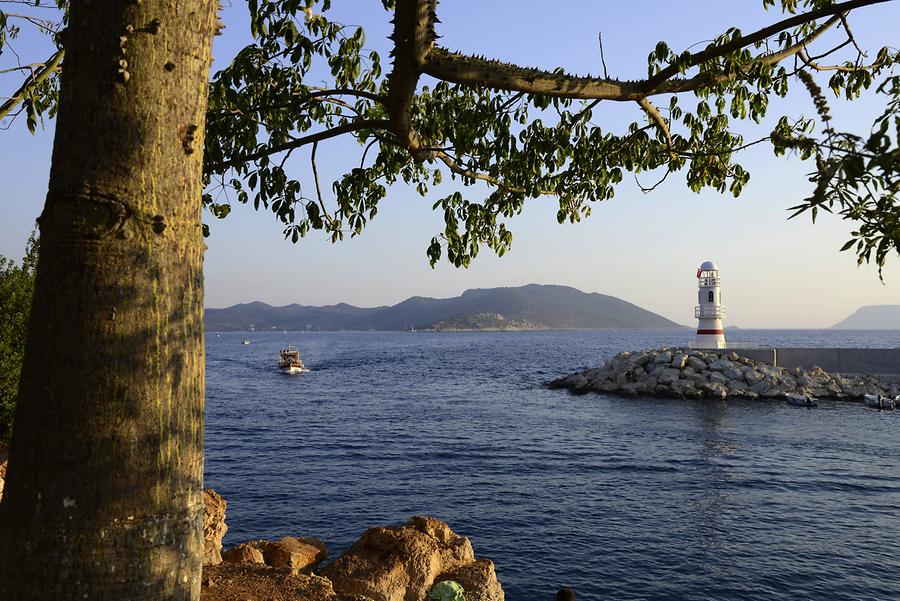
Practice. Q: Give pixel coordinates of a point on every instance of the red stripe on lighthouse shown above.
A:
(710, 331)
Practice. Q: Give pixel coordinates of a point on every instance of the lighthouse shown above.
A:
(709, 313)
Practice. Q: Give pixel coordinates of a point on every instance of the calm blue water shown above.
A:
(617, 499)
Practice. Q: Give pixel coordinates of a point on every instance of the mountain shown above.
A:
(872, 317)
(486, 322)
(290, 317)
(531, 307)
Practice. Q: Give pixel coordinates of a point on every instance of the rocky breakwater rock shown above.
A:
(692, 373)
(403, 563)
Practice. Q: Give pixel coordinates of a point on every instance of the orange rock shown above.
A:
(478, 579)
(214, 527)
(294, 553)
(401, 564)
(243, 553)
(454, 549)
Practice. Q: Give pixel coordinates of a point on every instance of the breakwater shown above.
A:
(881, 361)
(718, 374)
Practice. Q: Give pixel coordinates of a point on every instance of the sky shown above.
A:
(643, 248)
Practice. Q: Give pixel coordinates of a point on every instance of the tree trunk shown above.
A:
(103, 496)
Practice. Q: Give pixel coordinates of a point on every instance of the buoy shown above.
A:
(709, 312)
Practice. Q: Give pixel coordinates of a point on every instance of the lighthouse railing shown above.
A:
(708, 282)
(709, 311)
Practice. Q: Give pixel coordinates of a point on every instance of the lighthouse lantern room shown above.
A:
(709, 313)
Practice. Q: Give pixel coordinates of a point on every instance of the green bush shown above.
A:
(447, 591)
(16, 290)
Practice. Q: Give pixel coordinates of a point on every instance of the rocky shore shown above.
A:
(712, 374)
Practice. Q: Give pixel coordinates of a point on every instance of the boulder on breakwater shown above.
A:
(715, 374)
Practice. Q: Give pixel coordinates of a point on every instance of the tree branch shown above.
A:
(455, 167)
(33, 81)
(809, 62)
(602, 58)
(713, 52)
(302, 141)
(469, 70)
(654, 114)
(315, 171)
(318, 92)
(850, 35)
(30, 68)
(413, 38)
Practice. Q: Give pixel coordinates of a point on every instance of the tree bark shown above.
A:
(103, 496)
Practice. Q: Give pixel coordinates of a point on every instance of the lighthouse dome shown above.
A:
(709, 266)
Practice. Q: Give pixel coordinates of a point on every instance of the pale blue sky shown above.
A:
(642, 248)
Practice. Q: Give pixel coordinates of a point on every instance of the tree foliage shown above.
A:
(37, 91)
(510, 133)
(859, 176)
(16, 290)
(526, 132)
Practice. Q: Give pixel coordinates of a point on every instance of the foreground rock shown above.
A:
(690, 373)
(291, 552)
(403, 563)
(214, 527)
(478, 579)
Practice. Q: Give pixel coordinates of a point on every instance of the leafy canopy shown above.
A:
(536, 139)
(521, 133)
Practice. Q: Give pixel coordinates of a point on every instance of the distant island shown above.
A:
(531, 307)
(872, 317)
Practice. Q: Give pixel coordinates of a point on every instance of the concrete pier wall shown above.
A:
(837, 360)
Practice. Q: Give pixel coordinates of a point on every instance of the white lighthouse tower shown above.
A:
(709, 313)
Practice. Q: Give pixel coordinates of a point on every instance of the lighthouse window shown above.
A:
(711, 296)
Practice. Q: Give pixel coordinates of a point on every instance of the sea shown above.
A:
(614, 498)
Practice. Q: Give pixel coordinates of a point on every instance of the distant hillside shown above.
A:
(482, 322)
(531, 307)
(872, 317)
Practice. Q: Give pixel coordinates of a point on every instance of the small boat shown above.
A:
(289, 361)
(880, 402)
(802, 400)
(245, 341)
